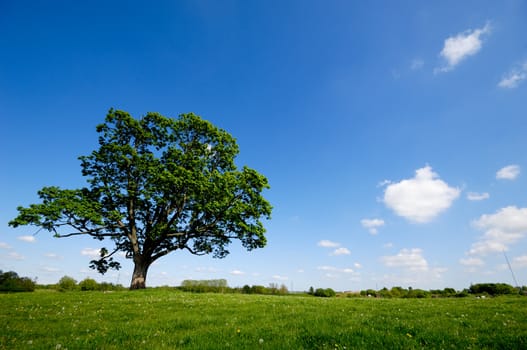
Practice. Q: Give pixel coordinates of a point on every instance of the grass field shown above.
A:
(162, 319)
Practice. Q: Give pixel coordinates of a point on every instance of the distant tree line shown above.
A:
(480, 289)
(11, 282)
(220, 286)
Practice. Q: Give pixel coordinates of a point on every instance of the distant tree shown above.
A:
(67, 283)
(157, 185)
(326, 293)
(11, 282)
(283, 289)
(88, 284)
(493, 289)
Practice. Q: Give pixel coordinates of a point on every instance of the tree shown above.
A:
(157, 185)
(67, 283)
(11, 282)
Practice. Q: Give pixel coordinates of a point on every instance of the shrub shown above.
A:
(88, 284)
(325, 293)
(67, 283)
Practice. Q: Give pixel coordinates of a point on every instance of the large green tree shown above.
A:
(156, 185)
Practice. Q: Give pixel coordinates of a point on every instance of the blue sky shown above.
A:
(392, 133)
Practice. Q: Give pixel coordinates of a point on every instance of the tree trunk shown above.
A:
(139, 276)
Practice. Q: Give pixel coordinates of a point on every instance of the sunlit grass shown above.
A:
(157, 319)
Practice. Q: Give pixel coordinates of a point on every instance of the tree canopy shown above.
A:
(156, 185)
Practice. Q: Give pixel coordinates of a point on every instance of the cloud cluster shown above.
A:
(421, 198)
(339, 250)
(372, 225)
(513, 78)
(507, 226)
(509, 172)
(457, 48)
(409, 259)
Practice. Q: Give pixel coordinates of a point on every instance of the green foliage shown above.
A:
(156, 185)
(163, 319)
(493, 289)
(11, 282)
(205, 286)
(67, 284)
(273, 289)
(88, 284)
(326, 293)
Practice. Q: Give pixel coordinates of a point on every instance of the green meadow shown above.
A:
(167, 319)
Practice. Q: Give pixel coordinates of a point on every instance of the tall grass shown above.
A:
(158, 319)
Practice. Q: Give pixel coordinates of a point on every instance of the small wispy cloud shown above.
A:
(50, 269)
(410, 259)
(474, 196)
(509, 172)
(237, 273)
(91, 252)
(4, 245)
(15, 256)
(417, 64)
(328, 268)
(471, 262)
(280, 278)
(372, 225)
(28, 239)
(341, 251)
(513, 78)
(328, 244)
(458, 47)
(520, 261)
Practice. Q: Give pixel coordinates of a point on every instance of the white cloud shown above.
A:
(410, 259)
(91, 252)
(372, 225)
(507, 226)
(474, 196)
(327, 268)
(4, 245)
(383, 183)
(28, 239)
(459, 47)
(520, 261)
(50, 269)
(280, 278)
(510, 172)
(357, 265)
(328, 244)
(335, 269)
(15, 256)
(514, 77)
(471, 262)
(417, 64)
(341, 251)
(237, 272)
(52, 256)
(421, 198)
